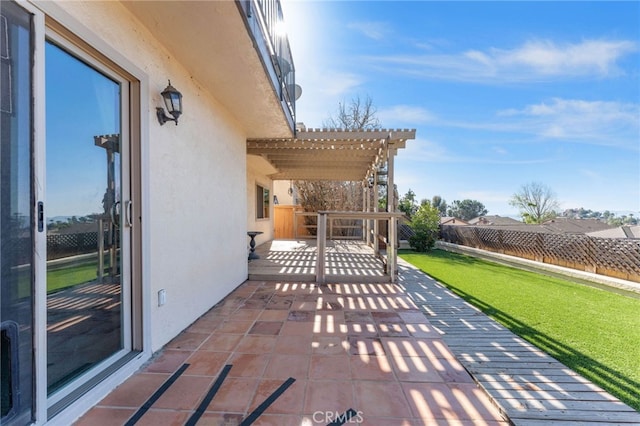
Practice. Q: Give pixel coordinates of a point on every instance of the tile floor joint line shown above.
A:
(344, 418)
(267, 402)
(156, 395)
(209, 396)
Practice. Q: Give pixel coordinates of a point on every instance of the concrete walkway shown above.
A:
(529, 386)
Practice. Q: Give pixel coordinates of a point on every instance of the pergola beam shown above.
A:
(329, 154)
(297, 153)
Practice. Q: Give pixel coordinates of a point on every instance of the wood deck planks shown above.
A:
(528, 385)
(349, 261)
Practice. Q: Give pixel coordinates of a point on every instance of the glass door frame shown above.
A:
(51, 20)
(78, 40)
(75, 51)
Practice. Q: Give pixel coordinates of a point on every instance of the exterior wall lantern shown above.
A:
(173, 101)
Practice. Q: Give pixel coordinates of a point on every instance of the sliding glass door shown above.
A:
(16, 215)
(66, 216)
(88, 218)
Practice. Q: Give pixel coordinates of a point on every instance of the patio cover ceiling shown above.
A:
(330, 154)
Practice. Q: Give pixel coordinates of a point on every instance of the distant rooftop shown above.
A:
(450, 220)
(561, 225)
(619, 232)
(575, 226)
(494, 220)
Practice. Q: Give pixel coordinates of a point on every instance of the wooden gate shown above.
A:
(283, 222)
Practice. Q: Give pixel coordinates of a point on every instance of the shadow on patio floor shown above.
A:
(286, 353)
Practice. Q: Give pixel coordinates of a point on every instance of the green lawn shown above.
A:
(592, 331)
(62, 277)
(57, 279)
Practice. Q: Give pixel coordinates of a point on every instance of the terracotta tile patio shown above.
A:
(360, 347)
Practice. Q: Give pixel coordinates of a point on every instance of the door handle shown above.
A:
(40, 214)
(128, 211)
(115, 216)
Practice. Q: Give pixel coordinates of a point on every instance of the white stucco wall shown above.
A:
(194, 181)
(258, 170)
(281, 190)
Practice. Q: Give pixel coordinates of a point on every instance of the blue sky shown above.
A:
(501, 93)
(81, 103)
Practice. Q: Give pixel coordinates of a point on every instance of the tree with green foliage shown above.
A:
(440, 204)
(407, 204)
(607, 216)
(466, 209)
(536, 202)
(425, 223)
(623, 220)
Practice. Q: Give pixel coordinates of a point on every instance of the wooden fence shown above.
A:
(58, 246)
(613, 257)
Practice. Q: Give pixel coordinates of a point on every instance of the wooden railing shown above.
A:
(305, 225)
(390, 260)
(613, 257)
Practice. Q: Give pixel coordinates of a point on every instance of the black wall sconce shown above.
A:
(173, 101)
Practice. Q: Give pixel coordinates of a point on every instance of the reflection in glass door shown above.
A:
(16, 216)
(87, 251)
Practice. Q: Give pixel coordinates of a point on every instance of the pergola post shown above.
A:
(365, 223)
(391, 202)
(376, 228)
(391, 208)
(392, 253)
(321, 245)
(369, 223)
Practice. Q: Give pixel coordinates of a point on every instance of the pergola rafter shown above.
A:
(330, 154)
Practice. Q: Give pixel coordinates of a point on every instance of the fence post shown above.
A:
(539, 254)
(590, 264)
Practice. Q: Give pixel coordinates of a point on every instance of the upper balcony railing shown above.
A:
(265, 20)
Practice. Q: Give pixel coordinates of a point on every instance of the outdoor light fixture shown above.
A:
(173, 101)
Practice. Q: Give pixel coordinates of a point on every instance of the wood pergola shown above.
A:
(341, 155)
(331, 154)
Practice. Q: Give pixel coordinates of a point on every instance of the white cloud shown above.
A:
(499, 150)
(597, 57)
(600, 122)
(404, 114)
(373, 30)
(336, 83)
(322, 91)
(429, 151)
(538, 60)
(426, 150)
(591, 174)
